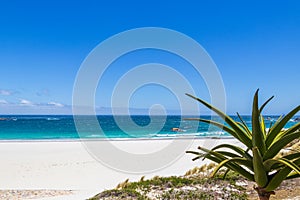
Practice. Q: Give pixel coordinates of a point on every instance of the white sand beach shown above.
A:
(67, 165)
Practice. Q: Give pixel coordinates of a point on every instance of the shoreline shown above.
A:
(114, 139)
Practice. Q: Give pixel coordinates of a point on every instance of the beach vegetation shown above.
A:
(119, 195)
(262, 160)
(177, 187)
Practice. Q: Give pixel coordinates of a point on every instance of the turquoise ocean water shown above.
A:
(43, 127)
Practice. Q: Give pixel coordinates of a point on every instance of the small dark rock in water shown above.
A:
(297, 119)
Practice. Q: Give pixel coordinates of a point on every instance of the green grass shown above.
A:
(166, 182)
(172, 188)
(119, 194)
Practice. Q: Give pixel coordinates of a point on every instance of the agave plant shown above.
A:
(259, 161)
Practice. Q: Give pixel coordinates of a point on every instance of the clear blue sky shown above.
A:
(255, 44)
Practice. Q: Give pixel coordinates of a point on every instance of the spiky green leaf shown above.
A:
(277, 127)
(241, 161)
(288, 131)
(263, 126)
(292, 156)
(292, 175)
(279, 144)
(238, 150)
(268, 164)
(280, 176)
(239, 131)
(264, 104)
(218, 158)
(228, 154)
(222, 126)
(260, 174)
(244, 125)
(257, 135)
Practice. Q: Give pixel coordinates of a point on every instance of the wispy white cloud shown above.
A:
(6, 92)
(55, 104)
(25, 106)
(2, 101)
(25, 102)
